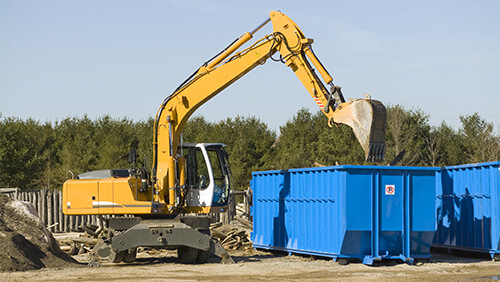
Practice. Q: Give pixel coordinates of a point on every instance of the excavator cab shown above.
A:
(207, 176)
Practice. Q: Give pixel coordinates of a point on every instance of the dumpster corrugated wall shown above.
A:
(368, 213)
(468, 208)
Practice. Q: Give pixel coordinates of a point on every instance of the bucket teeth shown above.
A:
(367, 118)
(377, 133)
(376, 153)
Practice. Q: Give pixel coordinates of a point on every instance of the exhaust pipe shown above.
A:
(367, 118)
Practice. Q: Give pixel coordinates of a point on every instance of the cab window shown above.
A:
(197, 171)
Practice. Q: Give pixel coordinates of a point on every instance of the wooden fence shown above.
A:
(49, 206)
(48, 203)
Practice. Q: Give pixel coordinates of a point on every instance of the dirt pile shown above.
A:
(25, 243)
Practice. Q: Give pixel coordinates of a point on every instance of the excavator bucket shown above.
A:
(367, 118)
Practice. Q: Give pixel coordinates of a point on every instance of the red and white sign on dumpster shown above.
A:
(390, 189)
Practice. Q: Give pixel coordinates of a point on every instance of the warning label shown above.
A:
(390, 189)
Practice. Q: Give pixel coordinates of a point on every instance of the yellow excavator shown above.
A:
(167, 206)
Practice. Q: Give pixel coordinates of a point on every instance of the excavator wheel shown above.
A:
(187, 255)
(202, 256)
(130, 255)
(104, 250)
(117, 257)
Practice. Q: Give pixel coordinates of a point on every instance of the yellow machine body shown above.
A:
(173, 187)
(105, 196)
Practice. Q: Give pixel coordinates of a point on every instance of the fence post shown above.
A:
(71, 220)
(43, 203)
(38, 205)
(55, 200)
(248, 203)
(79, 220)
(49, 209)
(231, 208)
(55, 211)
(59, 212)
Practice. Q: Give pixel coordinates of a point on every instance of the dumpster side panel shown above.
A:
(364, 212)
(468, 208)
(269, 229)
(314, 200)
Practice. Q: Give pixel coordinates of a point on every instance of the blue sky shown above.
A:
(122, 58)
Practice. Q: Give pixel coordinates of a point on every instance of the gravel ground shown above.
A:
(259, 265)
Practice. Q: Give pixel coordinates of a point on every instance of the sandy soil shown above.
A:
(25, 243)
(258, 265)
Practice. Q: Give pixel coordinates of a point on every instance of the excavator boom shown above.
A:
(194, 178)
(366, 117)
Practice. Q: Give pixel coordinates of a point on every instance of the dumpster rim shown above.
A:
(348, 167)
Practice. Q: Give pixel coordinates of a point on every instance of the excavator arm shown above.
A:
(365, 116)
(192, 183)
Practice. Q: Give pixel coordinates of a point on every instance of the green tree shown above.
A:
(248, 143)
(407, 130)
(38, 155)
(479, 142)
(443, 146)
(198, 130)
(337, 145)
(144, 134)
(296, 146)
(114, 140)
(76, 147)
(24, 153)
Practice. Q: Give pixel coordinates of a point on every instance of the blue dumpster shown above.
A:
(468, 208)
(366, 213)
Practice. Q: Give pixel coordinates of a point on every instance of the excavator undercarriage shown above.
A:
(190, 235)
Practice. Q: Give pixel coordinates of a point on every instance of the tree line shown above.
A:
(35, 155)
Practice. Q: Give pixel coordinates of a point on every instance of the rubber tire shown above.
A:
(187, 255)
(130, 255)
(117, 257)
(202, 256)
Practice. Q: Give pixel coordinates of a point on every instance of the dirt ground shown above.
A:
(260, 265)
(25, 243)
(29, 252)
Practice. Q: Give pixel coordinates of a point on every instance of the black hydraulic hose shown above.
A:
(165, 101)
(206, 63)
(195, 72)
(157, 121)
(279, 36)
(275, 40)
(312, 51)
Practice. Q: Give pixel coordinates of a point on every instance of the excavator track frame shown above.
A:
(193, 242)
